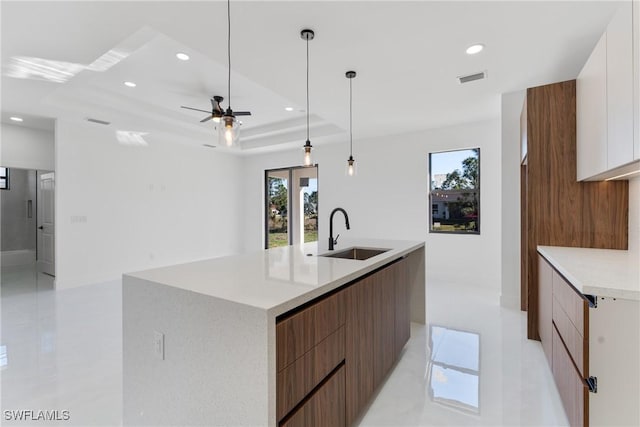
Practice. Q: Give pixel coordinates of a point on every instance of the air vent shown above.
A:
(100, 122)
(471, 77)
(208, 145)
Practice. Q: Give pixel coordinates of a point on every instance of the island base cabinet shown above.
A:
(366, 324)
(377, 329)
(325, 407)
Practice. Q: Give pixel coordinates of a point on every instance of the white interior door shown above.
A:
(46, 237)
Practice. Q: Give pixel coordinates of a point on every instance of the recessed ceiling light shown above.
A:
(182, 56)
(476, 48)
(288, 108)
(130, 84)
(16, 119)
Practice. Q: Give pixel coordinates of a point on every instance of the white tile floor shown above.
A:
(470, 365)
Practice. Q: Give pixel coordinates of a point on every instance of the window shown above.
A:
(4, 178)
(454, 191)
(291, 208)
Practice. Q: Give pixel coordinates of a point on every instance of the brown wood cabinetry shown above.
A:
(573, 389)
(359, 348)
(324, 408)
(564, 326)
(545, 300)
(332, 354)
(559, 210)
(376, 337)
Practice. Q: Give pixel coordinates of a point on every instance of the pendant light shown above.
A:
(229, 127)
(307, 35)
(351, 162)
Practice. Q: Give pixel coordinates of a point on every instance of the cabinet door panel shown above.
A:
(383, 323)
(359, 347)
(619, 88)
(403, 304)
(545, 302)
(298, 379)
(572, 388)
(326, 407)
(297, 334)
(572, 303)
(636, 79)
(591, 113)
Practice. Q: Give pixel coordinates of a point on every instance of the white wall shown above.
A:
(27, 148)
(388, 198)
(512, 104)
(124, 208)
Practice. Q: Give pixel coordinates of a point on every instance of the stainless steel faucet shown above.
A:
(333, 241)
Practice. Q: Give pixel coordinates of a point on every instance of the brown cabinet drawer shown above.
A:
(572, 303)
(325, 407)
(298, 333)
(299, 378)
(572, 388)
(577, 345)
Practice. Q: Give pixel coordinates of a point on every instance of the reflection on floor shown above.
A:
(471, 365)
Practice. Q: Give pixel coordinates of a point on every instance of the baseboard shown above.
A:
(18, 257)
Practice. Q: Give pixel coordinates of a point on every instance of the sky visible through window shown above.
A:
(444, 163)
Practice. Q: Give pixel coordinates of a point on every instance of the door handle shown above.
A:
(41, 227)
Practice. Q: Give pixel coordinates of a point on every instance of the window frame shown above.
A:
(477, 190)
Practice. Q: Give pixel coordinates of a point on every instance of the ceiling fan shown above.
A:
(217, 112)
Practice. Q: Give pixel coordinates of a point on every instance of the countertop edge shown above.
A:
(605, 291)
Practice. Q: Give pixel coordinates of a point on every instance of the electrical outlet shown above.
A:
(158, 344)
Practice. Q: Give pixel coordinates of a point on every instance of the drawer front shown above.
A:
(295, 381)
(297, 334)
(575, 343)
(325, 408)
(571, 303)
(572, 388)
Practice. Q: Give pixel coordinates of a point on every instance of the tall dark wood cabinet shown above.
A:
(558, 210)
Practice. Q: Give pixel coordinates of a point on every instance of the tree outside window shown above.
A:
(454, 191)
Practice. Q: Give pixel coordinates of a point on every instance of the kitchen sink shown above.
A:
(356, 253)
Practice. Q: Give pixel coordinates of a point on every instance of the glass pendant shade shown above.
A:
(307, 154)
(228, 131)
(352, 167)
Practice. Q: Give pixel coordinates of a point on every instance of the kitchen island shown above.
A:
(264, 338)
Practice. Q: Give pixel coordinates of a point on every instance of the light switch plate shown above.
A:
(158, 344)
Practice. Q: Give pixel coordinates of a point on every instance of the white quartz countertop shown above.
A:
(601, 272)
(277, 279)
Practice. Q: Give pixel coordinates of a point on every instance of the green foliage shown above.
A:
(278, 194)
(467, 179)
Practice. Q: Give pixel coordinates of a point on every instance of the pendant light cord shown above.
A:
(229, 50)
(350, 118)
(307, 88)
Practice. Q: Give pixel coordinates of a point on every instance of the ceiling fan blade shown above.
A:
(242, 113)
(206, 119)
(195, 109)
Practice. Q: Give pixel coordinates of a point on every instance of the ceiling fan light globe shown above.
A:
(229, 133)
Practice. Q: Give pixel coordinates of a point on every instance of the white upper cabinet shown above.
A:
(607, 113)
(636, 79)
(619, 88)
(591, 113)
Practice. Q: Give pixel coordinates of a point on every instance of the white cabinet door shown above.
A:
(619, 88)
(636, 79)
(591, 113)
